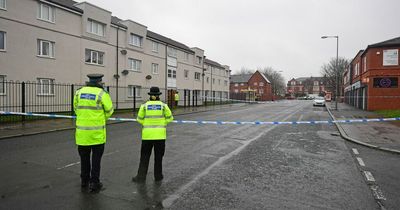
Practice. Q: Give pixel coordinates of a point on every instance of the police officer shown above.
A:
(93, 106)
(154, 116)
(176, 96)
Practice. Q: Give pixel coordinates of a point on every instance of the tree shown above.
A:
(329, 72)
(278, 83)
(245, 70)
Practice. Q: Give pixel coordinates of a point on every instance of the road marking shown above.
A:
(355, 151)
(369, 176)
(376, 191)
(360, 161)
(69, 165)
(168, 201)
(300, 118)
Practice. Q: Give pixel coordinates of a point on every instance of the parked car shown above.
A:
(319, 101)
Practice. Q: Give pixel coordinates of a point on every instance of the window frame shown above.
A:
(51, 50)
(137, 91)
(197, 76)
(51, 87)
(90, 27)
(137, 61)
(100, 54)
(172, 52)
(153, 69)
(5, 5)
(4, 41)
(186, 74)
(132, 39)
(155, 49)
(3, 85)
(52, 13)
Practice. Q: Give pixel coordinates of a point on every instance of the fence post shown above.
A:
(134, 100)
(23, 100)
(72, 99)
(184, 98)
(197, 93)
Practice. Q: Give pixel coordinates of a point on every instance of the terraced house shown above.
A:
(61, 41)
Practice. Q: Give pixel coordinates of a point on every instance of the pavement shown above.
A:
(9, 130)
(378, 135)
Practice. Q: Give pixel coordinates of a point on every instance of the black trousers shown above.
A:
(145, 153)
(90, 170)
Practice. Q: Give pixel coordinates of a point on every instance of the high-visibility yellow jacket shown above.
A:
(93, 106)
(154, 117)
(176, 97)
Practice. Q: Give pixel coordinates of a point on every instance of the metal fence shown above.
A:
(48, 97)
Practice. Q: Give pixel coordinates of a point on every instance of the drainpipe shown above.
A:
(166, 73)
(202, 84)
(116, 72)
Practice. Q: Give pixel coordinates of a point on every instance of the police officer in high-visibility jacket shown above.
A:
(154, 116)
(176, 97)
(93, 106)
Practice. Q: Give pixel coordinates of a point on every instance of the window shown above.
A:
(261, 91)
(135, 40)
(261, 84)
(219, 81)
(241, 84)
(197, 76)
(171, 73)
(213, 80)
(186, 74)
(46, 13)
(95, 27)
(364, 64)
(236, 91)
(94, 57)
(154, 68)
(154, 47)
(198, 60)
(134, 64)
(172, 52)
(186, 56)
(316, 83)
(46, 86)
(3, 4)
(208, 79)
(134, 89)
(45, 48)
(2, 41)
(2, 85)
(236, 84)
(293, 82)
(255, 84)
(225, 82)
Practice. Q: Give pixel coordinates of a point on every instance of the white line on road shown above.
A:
(167, 202)
(376, 191)
(360, 161)
(369, 176)
(355, 151)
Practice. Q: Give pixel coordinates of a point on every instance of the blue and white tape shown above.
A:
(201, 122)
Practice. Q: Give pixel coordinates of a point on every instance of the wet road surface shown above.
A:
(205, 166)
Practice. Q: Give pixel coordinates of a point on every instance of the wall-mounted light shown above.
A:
(148, 77)
(125, 72)
(123, 52)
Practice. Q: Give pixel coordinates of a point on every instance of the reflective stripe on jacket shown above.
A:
(154, 117)
(93, 106)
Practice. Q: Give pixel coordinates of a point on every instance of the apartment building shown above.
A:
(372, 78)
(61, 41)
(303, 86)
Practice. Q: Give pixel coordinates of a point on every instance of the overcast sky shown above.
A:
(283, 34)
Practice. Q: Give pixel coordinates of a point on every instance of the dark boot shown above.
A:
(95, 187)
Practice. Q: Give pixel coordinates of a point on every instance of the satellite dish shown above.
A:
(123, 52)
(148, 77)
(125, 72)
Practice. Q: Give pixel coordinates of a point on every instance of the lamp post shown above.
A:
(336, 68)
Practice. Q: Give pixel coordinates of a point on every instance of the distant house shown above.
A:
(304, 86)
(254, 86)
(372, 78)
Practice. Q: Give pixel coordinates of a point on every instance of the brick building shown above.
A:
(250, 86)
(372, 78)
(304, 86)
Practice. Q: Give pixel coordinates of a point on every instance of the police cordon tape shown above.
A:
(221, 122)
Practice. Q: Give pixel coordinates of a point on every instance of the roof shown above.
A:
(214, 63)
(263, 75)
(67, 3)
(116, 21)
(387, 43)
(240, 78)
(360, 52)
(167, 40)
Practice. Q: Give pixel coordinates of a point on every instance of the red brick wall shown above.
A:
(380, 98)
(257, 78)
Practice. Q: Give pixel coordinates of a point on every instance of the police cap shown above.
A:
(95, 77)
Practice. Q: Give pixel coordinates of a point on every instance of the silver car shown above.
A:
(319, 101)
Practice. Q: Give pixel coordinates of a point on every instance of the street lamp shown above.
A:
(336, 68)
